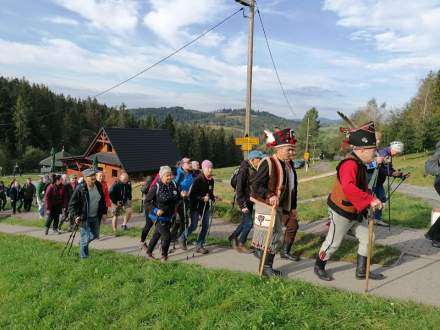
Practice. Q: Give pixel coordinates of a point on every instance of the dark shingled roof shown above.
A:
(58, 156)
(106, 158)
(142, 150)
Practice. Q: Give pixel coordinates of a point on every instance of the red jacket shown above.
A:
(54, 197)
(360, 199)
(108, 201)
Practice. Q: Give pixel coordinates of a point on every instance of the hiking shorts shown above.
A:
(120, 209)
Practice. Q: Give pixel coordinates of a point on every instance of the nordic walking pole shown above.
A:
(67, 243)
(73, 239)
(268, 237)
(211, 216)
(370, 250)
(203, 215)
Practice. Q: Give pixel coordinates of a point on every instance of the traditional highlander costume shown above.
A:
(274, 177)
(348, 205)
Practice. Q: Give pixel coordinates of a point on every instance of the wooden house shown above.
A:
(139, 152)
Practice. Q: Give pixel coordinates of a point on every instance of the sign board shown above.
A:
(246, 147)
(306, 156)
(247, 140)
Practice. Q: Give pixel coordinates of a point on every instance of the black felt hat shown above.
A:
(364, 136)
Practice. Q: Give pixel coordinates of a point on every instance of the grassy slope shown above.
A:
(39, 290)
(414, 163)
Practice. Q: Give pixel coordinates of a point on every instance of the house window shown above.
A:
(114, 173)
(109, 148)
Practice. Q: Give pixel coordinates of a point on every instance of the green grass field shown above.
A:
(415, 163)
(40, 290)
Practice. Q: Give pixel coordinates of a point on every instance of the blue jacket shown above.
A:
(183, 180)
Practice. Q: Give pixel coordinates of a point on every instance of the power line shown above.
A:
(274, 65)
(170, 55)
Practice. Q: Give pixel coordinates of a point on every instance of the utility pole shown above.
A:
(247, 141)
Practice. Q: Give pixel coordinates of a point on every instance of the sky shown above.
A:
(331, 54)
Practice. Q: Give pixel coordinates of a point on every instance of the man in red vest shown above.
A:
(349, 202)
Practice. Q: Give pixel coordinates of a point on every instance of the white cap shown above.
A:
(397, 146)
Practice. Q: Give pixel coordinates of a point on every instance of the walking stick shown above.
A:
(211, 216)
(203, 215)
(370, 250)
(70, 240)
(73, 239)
(268, 237)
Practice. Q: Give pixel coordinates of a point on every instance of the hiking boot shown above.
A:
(202, 250)
(361, 270)
(435, 244)
(242, 248)
(143, 246)
(124, 227)
(182, 244)
(320, 271)
(164, 259)
(257, 253)
(380, 223)
(268, 270)
(234, 241)
(46, 231)
(150, 256)
(285, 253)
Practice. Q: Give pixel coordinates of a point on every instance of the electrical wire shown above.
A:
(170, 55)
(274, 66)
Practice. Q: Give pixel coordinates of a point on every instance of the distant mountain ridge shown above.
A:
(227, 118)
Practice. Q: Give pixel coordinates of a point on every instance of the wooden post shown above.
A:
(370, 251)
(268, 238)
(247, 121)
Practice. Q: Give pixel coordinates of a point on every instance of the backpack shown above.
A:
(233, 179)
(432, 167)
(155, 180)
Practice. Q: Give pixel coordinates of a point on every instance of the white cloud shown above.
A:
(62, 20)
(110, 15)
(170, 19)
(395, 26)
(235, 49)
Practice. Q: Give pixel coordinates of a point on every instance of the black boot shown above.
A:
(233, 240)
(320, 270)
(268, 270)
(285, 252)
(361, 270)
(257, 253)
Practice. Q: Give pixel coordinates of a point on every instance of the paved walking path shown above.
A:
(414, 278)
(426, 193)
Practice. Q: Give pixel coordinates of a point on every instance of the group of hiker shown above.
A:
(20, 196)
(175, 201)
(178, 198)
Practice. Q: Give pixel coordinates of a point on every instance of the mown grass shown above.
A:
(40, 290)
(308, 245)
(414, 163)
(410, 212)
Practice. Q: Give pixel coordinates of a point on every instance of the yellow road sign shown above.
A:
(306, 156)
(247, 140)
(246, 147)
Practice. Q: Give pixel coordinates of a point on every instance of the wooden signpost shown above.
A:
(247, 142)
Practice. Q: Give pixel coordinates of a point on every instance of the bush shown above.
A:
(31, 158)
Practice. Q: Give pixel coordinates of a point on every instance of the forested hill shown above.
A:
(228, 118)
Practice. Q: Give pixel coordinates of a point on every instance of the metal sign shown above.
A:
(247, 140)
